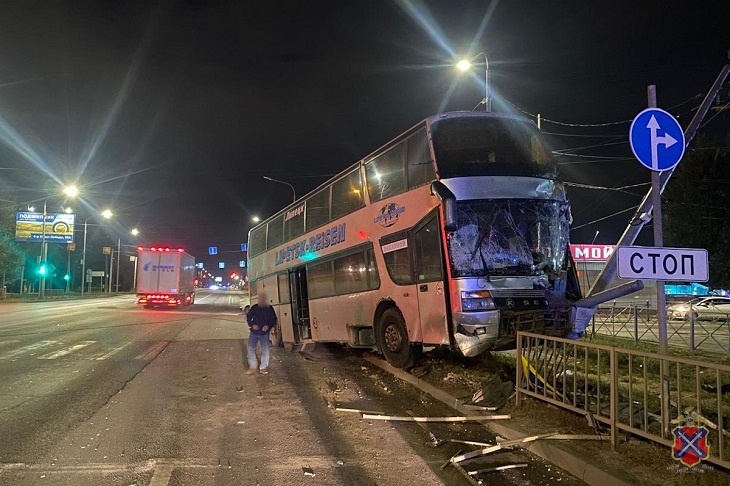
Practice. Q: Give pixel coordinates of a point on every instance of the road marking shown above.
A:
(26, 349)
(69, 350)
(153, 350)
(111, 353)
(162, 475)
(9, 341)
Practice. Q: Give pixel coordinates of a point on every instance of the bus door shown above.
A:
(432, 296)
(300, 303)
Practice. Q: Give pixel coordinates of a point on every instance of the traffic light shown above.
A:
(67, 277)
(42, 270)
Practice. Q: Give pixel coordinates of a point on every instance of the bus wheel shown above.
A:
(394, 339)
(275, 336)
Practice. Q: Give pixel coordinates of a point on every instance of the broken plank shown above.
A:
(577, 437)
(471, 443)
(497, 468)
(435, 419)
(478, 408)
(498, 447)
(355, 410)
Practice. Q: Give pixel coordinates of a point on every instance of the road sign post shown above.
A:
(657, 141)
(658, 152)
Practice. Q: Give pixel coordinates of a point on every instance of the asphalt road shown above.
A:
(101, 392)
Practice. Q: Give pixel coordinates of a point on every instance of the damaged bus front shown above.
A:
(506, 223)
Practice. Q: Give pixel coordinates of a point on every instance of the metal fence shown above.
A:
(709, 333)
(630, 391)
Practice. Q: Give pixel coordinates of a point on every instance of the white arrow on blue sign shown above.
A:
(657, 139)
(212, 250)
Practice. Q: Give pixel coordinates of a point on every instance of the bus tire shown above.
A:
(393, 337)
(275, 336)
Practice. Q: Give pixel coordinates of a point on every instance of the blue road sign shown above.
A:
(212, 250)
(244, 246)
(221, 265)
(657, 139)
(242, 264)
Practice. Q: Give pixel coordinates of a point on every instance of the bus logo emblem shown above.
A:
(389, 214)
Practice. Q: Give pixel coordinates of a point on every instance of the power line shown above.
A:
(606, 217)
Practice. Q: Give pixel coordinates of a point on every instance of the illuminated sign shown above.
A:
(592, 253)
(305, 250)
(59, 227)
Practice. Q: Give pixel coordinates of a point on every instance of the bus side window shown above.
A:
(386, 173)
(318, 209)
(398, 263)
(347, 194)
(420, 166)
(320, 280)
(284, 294)
(428, 253)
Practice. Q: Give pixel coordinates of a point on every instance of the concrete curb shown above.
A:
(553, 453)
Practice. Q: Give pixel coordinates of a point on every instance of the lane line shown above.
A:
(162, 475)
(112, 352)
(69, 350)
(26, 349)
(9, 341)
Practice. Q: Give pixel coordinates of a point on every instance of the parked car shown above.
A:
(703, 308)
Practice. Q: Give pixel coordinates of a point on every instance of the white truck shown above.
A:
(165, 277)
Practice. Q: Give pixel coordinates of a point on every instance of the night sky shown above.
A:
(171, 112)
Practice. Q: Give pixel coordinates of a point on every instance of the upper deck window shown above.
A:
(472, 146)
(347, 194)
(386, 173)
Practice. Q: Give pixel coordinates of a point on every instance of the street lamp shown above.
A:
(135, 232)
(293, 191)
(255, 219)
(466, 64)
(71, 191)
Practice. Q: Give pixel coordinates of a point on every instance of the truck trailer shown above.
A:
(165, 277)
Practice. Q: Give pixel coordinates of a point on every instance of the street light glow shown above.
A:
(107, 213)
(134, 232)
(68, 210)
(71, 191)
(255, 219)
(463, 65)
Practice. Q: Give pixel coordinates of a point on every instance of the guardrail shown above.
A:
(638, 322)
(630, 391)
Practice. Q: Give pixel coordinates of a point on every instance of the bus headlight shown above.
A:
(480, 300)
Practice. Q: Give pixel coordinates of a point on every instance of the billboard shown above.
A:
(59, 227)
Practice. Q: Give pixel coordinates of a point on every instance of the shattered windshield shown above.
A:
(514, 237)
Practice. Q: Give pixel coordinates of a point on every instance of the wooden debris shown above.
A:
(451, 460)
(497, 468)
(435, 419)
(577, 437)
(479, 408)
(471, 443)
(498, 447)
(355, 410)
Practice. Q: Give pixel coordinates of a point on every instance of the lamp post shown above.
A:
(293, 191)
(107, 214)
(466, 64)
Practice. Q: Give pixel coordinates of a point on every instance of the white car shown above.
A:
(703, 308)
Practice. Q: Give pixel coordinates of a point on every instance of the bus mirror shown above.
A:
(448, 204)
(449, 207)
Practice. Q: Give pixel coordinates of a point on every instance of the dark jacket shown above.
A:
(262, 317)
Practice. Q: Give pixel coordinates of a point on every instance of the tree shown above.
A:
(696, 203)
(11, 255)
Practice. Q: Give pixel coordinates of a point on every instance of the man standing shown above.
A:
(261, 318)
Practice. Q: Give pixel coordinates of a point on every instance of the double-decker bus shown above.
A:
(453, 234)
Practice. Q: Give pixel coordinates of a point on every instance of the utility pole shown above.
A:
(119, 257)
(656, 202)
